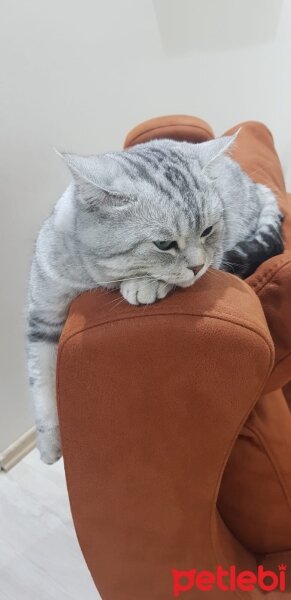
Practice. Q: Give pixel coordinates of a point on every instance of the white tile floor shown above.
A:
(39, 554)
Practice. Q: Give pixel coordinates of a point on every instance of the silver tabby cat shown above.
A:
(143, 220)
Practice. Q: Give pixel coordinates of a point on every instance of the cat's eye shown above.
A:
(206, 231)
(166, 245)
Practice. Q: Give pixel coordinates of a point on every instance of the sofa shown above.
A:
(175, 419)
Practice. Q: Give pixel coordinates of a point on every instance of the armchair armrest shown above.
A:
(151, 400)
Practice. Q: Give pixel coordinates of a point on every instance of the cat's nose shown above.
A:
(197, 268)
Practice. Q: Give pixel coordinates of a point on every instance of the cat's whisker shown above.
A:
(116, 302)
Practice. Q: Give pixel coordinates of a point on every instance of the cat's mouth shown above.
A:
(190, 278)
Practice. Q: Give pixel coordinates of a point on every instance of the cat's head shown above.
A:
(152, 210)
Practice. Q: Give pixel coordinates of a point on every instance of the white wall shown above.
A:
(79, 74)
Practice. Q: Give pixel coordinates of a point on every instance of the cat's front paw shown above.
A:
(144, 291)
(49, 444)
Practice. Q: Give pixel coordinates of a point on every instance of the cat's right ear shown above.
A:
(213, 149)
(97, 181)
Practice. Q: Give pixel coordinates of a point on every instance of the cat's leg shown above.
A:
(42, 356)
(48, 302)
(144, 291)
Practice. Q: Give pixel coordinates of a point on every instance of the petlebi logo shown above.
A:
(229, 580)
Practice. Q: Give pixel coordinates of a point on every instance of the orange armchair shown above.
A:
(175, 422)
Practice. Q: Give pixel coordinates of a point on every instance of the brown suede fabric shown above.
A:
(165, 408)
(272, 284)
(149, 414)
(255, 494)
(176, 127)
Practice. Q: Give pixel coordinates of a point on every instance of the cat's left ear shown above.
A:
(100, 181)
(212, 150)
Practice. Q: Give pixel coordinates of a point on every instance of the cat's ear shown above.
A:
(99, 181)
(212, 150)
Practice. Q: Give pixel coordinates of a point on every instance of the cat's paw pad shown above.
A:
(49, 444)
(144, 291)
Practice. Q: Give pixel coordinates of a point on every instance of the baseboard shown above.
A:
(14, 453)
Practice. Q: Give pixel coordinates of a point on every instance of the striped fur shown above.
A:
(102, 233)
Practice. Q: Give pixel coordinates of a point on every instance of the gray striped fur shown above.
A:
(101, 233)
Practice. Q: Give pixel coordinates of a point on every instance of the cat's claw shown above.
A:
(144, 291)
(49, 445)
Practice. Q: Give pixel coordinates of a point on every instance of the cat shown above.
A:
(143, 220)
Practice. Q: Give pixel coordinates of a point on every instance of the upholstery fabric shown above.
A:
(177, 127)
(175, 417)
(151, 400)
